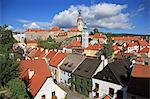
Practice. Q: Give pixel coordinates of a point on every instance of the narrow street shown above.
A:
(70, 94)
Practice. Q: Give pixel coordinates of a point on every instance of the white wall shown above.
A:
(47, 89)
(104, 88)
(101, 66)
(65, 77)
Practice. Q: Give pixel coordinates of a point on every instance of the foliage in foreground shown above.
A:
(17, 89)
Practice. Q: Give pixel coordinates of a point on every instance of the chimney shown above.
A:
(30, 73)
(41, 49)
(46, 51)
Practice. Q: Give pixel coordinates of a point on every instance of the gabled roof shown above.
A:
(118, 70)
(88, 67)
(139, 81)
(94, 47)
(98, 35)
(74, 43)
(144, 50)
(41, 73)
(59, 56)
(125, 38)
(50, 54)
(73, 29)
(71, 62)
(141, 71)
(36, 53)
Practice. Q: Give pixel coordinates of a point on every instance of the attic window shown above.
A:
(66, 64)
(70, 65)
(43, 97)
(104, 77)
(86, 70)
(110, 78)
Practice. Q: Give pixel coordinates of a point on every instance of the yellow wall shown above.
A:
(91, 52)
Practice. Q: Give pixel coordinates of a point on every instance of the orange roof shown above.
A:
(50, 55)
(132, 44)
(57, 59)
(98, 35)
(33, 52)
(55, 28)
(74, 44)
(32, 41)
(94, 47)
(141, 71)
(73, 30)
(144, 50)
(107, 97)
(41, 73)
(143, 43)
(115, 47)
(125, 38)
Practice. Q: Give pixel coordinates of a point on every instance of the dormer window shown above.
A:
(43, 97)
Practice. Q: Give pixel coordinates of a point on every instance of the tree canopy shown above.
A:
(17, 89)
(8, 66)
(49, 43)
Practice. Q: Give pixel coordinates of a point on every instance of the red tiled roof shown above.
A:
(57, 59)
(144, 50)
(73, 30)
(74, 44)
(132, 44)
(107, 97)
(139, 59)
(41, 72)
(143, 43)
(141, 71)
(94, 47)
(115, 47)
(31, 41)
(50, 55)
(98, 35)
(55, 28)
(125, 38)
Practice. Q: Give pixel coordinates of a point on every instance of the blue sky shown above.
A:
(119, 16)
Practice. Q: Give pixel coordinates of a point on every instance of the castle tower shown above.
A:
(80, 23)
(85, 37)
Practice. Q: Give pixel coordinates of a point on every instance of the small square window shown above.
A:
(53, 93)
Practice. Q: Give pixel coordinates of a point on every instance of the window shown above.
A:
(64, 72)
(43, 97)
(97, 95)
(53, 93)
(97, 85)
(111, 91)
(133, 97)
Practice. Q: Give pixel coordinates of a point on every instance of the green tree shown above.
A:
(8, 66)
(49, 39)
(17, 89)
(95, 30)
(107, 50)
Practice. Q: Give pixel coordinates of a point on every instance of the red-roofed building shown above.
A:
(76, 44)
(92, 50)
(138, 86)
(55, 63)
(39, 80)
(99, 37)
(73, 32)
(55, 32)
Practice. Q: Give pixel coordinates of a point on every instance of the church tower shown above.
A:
(85, 37)
(80, 23)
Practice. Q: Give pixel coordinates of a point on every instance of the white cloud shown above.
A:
(23, 21)
(103, 15)
(10, 27)
(139, 9)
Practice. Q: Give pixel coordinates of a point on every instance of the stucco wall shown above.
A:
(47, 89)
